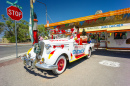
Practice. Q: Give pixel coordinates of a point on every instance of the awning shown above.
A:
(107, 14)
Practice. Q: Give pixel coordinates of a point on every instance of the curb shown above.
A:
(14, 44)
(11, 57)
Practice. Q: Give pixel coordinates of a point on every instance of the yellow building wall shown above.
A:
(4, 40)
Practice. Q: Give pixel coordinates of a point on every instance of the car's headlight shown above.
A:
(37, 48)
(47, 46)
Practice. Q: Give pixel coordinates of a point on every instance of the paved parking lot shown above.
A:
(104, 68)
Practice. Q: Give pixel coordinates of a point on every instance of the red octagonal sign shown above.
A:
(14, 13)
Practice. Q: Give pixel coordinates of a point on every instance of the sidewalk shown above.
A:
(14, 44)
(11, 57)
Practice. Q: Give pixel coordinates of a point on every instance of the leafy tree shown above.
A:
(9, 30)
(1, 27)
(42, 30)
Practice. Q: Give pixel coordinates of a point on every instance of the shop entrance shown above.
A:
(99, 39)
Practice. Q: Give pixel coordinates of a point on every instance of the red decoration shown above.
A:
(54, 31)
(35, 36)
(62, 46)
(72, 29)
(77, 41)
(62, 25)
(115, 34)
(51, 36)
(95, 20)
(120, 34)
(63, 31)
(90, 21)
(54, 46)
(57, 27)
(87, 21)
(57, 30)
(80, 41)
(78, 35)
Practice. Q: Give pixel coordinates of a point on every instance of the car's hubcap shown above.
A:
(60, 64)
(88, 52)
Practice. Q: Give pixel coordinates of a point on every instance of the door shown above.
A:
(78, 51)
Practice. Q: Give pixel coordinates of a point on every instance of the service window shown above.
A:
(120, 35)
(102, 36)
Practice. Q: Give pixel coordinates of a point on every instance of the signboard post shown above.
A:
(15, 14)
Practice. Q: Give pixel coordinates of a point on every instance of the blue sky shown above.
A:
(60, 10)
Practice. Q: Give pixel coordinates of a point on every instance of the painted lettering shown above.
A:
(9, 12)
(78, 51)
(13, 12)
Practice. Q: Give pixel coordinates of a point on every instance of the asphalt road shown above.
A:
(10, 50)
(84, 72)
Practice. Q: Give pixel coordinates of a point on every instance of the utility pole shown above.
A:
(46, 9)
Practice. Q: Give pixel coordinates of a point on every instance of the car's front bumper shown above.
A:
(28, 61)
(46, 66)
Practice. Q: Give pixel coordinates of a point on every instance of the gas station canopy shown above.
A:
(118, 14)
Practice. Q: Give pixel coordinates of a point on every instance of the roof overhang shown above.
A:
(106, 14)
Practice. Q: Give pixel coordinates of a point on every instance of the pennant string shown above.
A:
(125, 15)
(81, 22)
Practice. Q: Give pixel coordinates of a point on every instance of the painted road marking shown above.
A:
(110, 63)
(12, 56)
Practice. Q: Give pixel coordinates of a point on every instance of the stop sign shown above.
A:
(14, 13)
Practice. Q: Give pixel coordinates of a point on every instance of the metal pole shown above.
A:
(46, 9)
(16, 40)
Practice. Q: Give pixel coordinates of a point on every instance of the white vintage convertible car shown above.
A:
(54, 54)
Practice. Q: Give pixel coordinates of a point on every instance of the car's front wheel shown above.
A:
(61, 63)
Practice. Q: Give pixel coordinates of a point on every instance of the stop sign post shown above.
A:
(15, 14)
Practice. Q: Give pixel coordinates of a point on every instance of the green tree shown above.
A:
(1, 27)
(42, 30)
(9, 29)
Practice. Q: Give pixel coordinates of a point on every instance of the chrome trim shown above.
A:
(38, 65)
(46, 66)
(27, 60)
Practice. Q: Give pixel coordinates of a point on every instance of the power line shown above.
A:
(50, 18)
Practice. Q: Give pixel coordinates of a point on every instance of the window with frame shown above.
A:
(120, 35)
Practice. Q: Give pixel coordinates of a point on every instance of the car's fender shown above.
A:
(88, 46)
(52, 58)
(31, 52)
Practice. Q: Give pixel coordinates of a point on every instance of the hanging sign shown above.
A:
(110, 34)
(108, 26)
